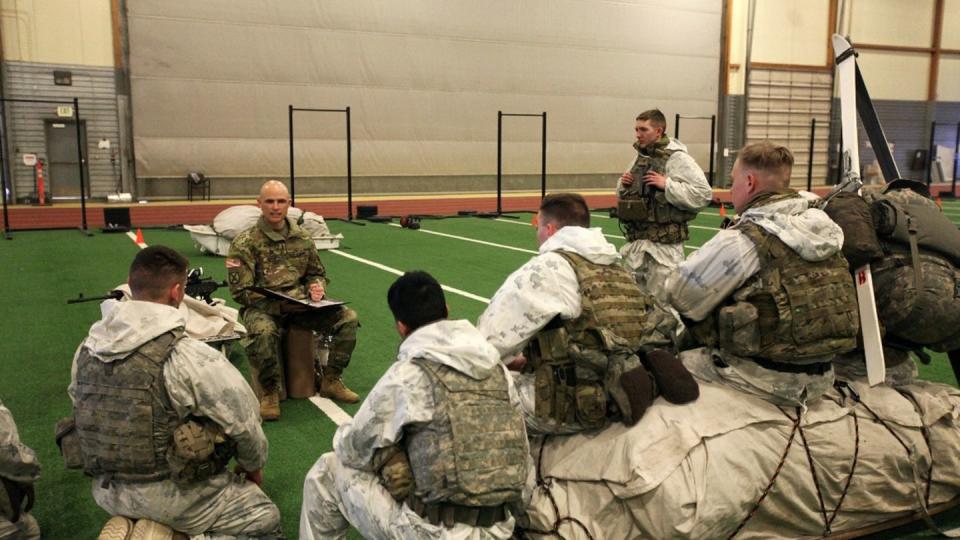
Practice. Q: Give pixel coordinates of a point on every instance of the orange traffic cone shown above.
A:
(139, 236)
(939, 202)
(534, 221)
(723, 210)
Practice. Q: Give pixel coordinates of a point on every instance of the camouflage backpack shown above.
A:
(917, 282)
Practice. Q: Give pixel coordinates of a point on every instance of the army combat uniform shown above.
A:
(772, 301)
(18, 468)
(654, 221)
(542, 300)
(447, 401)
(135, 378)
(285, 262)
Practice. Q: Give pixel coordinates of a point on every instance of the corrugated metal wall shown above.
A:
(947, 116)
(735, 114)
(94, 86)
(906, 125)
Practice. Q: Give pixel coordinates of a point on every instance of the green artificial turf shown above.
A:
(40, 332)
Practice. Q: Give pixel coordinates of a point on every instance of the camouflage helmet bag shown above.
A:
(853, 214)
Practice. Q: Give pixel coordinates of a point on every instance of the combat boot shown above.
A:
(674, 382)
(146, 529)
(116, 528)
(270, 406)
(331, 386)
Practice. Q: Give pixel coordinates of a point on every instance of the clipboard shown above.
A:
(296, 302)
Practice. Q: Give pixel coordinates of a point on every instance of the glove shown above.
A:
(396, 475)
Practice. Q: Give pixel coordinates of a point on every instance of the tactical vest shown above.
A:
(474, 451)
(123, 414)
(792, 310)
(577, 363)
(917, 282)
(643, 211)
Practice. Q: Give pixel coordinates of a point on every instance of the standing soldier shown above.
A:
(278, 255)
(19, 469)
(662, 191)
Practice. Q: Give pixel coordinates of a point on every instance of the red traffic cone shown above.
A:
(939, 202)
(139, 236)
(723, 210)
(534, 221)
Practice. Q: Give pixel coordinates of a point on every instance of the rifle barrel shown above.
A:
(112, 295)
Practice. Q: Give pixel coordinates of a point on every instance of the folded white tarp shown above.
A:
(698, 470)
(204, 321)
(236, 219)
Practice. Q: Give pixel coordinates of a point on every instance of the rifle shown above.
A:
(112, 295)
(198, 287)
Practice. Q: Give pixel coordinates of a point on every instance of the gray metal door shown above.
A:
(62, 173)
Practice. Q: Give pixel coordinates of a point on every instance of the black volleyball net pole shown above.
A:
(293, 178)
(543, 154)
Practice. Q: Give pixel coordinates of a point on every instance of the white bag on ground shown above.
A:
(236, 219)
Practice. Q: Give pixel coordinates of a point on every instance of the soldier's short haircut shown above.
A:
(154, 270)
(566, 209)
(771, 158)
(655, 117)
(416, 299)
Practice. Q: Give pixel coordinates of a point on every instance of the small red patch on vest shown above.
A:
(861, 277)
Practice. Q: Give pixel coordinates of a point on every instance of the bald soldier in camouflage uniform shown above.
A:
(663, 190)
(770, 296)
(438, 449)
(588, 335)
(19, 469)
(137, 384)
(278, 255)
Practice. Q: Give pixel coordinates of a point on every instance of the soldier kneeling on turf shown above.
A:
(157, 416)
(438, 449)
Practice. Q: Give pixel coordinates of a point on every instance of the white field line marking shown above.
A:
(692, 226)
(133, 237)
(331, 409)
(474, 240)
(705, 212)
(617, 236)
(394, 271)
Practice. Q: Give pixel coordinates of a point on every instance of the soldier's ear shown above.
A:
(403, 329)
(176, 294)
(753, 182)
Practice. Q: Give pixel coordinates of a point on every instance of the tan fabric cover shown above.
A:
(695, 471)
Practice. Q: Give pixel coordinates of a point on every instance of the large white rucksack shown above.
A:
(236, 219)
